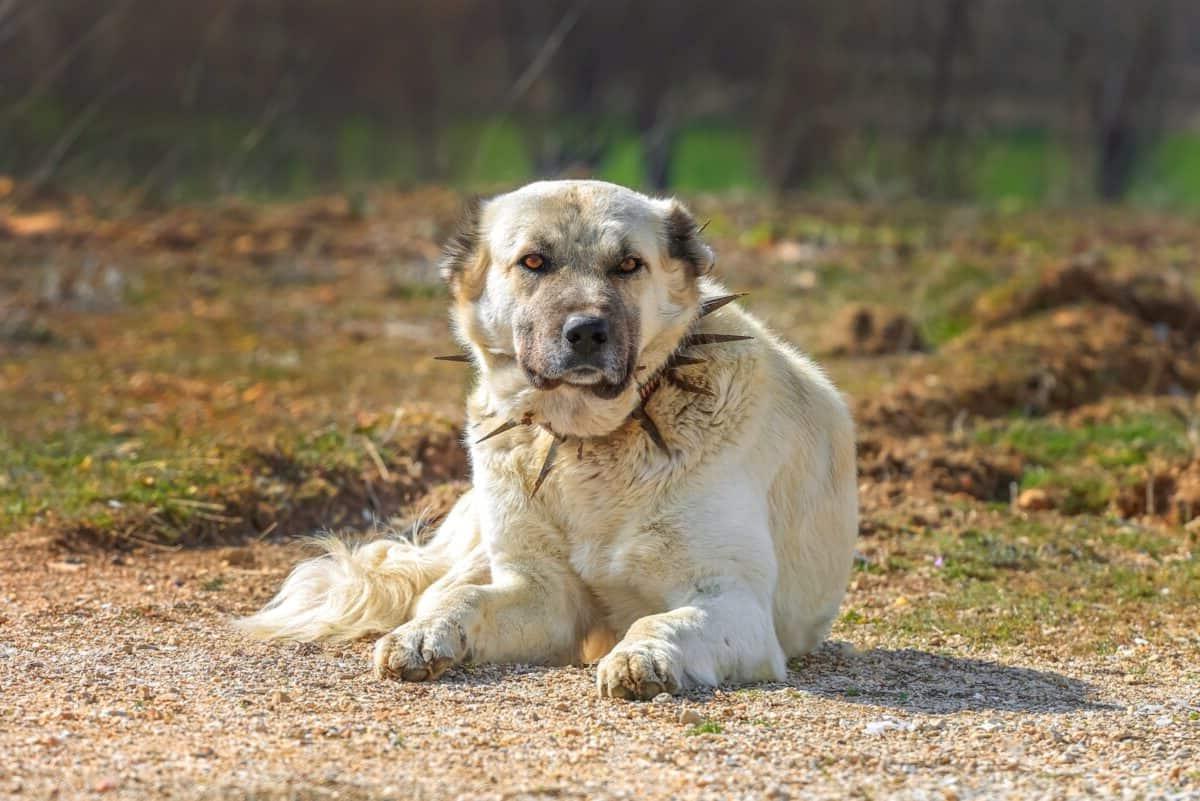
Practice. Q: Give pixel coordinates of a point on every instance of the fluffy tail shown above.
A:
(349, 591)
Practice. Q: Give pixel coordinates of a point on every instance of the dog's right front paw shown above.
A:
(638, 671)
(420, 650)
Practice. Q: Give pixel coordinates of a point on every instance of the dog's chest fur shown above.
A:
(614, 503)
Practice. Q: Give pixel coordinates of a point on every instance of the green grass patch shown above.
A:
(1122, 441)
(1009, 582)
(1018, 169)
(1083, 465)
(624, 162)
(100, 481)
(489, 155)
(1080, 491)
(1171, 174)
(91, 476)
(366, 153)
(713, 158)
(980, 555)
(195, 157)
(948, 297)
(940, 329)
(853, 617)
(705, 727)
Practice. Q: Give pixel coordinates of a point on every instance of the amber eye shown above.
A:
(630, 264)
(534, 261)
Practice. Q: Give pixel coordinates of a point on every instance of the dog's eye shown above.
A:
(534, 261)
(630, 264)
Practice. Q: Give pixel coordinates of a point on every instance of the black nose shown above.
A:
(587, 335)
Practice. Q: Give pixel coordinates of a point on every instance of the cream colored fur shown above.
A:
(713, 564)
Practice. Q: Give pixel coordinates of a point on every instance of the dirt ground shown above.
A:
(123, 678)
(183, 392)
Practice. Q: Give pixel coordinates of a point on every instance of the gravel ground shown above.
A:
(120, 677)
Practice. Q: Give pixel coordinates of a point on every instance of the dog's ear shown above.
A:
(461, 255)
(684, 242)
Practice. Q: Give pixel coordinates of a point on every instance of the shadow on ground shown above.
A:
(906, 680)
(918, 681)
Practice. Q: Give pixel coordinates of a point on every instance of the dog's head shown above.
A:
(566, 290)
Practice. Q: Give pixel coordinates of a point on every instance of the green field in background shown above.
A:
(173, 158)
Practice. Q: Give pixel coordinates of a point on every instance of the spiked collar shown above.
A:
(668, 373)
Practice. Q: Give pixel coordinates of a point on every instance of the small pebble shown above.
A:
(106, 785)
(689, 717)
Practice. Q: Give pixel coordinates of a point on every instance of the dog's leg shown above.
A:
(530, 613)
(723, 634)
(719, 626)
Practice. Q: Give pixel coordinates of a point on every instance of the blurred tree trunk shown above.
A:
(1118, 55)
(657, 131)
(1124, 104)
(805, 90)
(936, 154)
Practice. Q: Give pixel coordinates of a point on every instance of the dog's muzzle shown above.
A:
(587, 340)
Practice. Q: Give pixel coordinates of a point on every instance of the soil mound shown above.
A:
(894, 469)
(1171, 492)
(1054, 360)
(863, 330)
(1158, 299)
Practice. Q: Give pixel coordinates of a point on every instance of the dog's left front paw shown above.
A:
(638, 671)
(420, 650)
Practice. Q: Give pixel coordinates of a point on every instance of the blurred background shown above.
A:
(220, 228)
(1008, 101)
(221, 220)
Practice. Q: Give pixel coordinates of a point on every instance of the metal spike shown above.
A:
(500, 429)
(648, 425)
(649, 388)
(547, 465)
(712, 339)
(454, 357)
(679, 382)
(679, 360)
(710, 305)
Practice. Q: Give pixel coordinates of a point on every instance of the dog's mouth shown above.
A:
(584, 377)
(587, 379)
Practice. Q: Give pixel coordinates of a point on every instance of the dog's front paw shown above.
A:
(639, 670)
(420, 650)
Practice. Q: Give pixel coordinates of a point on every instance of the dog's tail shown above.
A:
(350, 591)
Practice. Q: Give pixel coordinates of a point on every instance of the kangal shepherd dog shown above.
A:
(658, 481)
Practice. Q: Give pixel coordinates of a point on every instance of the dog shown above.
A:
(658, 481)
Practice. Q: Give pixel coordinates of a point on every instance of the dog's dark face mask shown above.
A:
(576, 323)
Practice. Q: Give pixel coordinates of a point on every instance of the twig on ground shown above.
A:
(373, 452)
